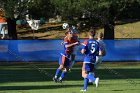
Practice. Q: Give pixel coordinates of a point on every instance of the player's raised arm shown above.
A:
(69, 37)
(70, 45)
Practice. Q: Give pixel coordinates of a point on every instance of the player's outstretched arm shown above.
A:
(70, 45)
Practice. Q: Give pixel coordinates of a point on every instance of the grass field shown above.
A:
(37, 78)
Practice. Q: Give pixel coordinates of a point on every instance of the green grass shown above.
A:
(37, 78)
(128, 30)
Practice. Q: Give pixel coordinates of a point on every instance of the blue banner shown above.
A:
(49, 50)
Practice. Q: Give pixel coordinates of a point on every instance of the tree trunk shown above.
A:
(12, 28)
(110, 24)
(109, 31)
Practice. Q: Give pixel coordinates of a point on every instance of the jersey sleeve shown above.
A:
(66, 41)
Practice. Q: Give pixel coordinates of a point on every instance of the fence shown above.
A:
(49, 50)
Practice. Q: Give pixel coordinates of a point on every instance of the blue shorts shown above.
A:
(88, 67)
(64, 61)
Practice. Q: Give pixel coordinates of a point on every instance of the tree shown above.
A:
(41, 8)
(13, 10)
(115, 10)
(104, 12)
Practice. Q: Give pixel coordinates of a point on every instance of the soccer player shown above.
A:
(75, 48)
(75, 37)
(90, 49)
(64, 60)
(102, 48)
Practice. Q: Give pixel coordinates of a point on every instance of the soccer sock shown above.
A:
(62, 75)
(90, 73)
(57, 72)
(85, 83)
(91, 77)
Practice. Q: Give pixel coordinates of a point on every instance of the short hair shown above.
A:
(92, 32)
(100, 34)
(67, 31)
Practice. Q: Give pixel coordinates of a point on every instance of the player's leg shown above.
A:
(90, 82)
(96, 65)
(66, 68)
(62, 75)
(61, 66)
(91, 75)
(85, 79)
(73, 56)
(72, 60)
(89, 68)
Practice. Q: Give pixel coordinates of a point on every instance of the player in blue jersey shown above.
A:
(102, 48)
(64, 61)
(102, 52)
(90, 49)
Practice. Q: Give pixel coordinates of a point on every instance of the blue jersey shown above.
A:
(91, 47)
(101, 45)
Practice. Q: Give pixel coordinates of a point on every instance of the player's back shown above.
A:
(91, 50)
(101, 44)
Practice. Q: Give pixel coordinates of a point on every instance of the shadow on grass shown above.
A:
(37, 87)
(126, 21)
(36, 73)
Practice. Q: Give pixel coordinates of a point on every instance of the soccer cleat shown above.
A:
(55, 79)
(97, 82)
(83, 90)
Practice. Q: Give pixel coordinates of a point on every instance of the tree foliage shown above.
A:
(103, 12)
(101, 9)
(41, 8)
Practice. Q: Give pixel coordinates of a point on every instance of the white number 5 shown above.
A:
(92, 48)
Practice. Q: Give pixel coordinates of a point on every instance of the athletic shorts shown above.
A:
(64, 61)
(88, 67)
